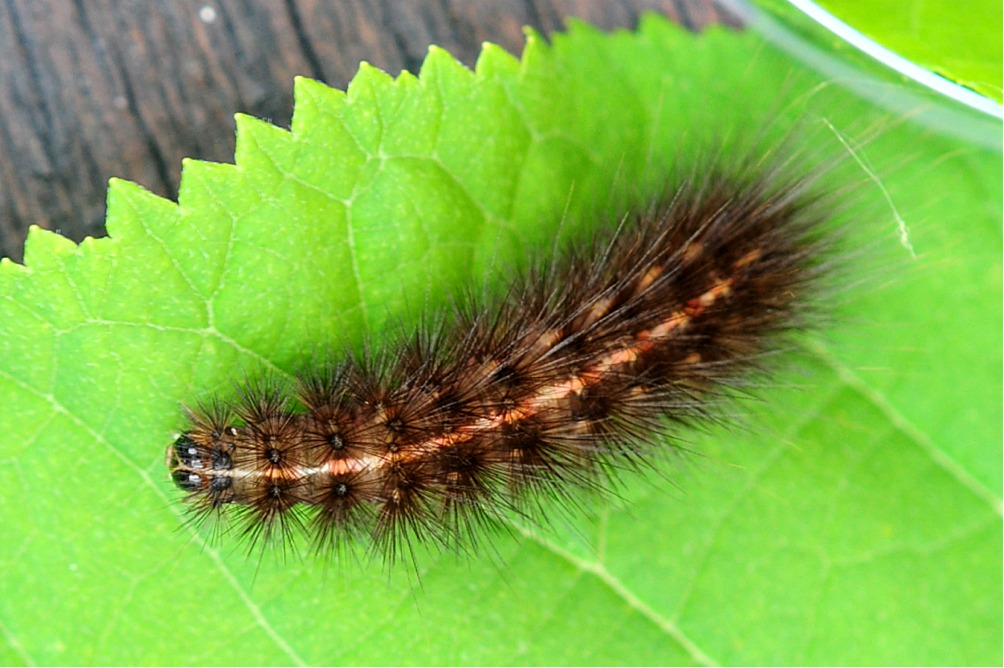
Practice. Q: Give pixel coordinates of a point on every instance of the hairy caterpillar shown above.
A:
(511, 402)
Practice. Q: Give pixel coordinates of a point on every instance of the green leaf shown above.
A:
(960, 41)
(858, 522)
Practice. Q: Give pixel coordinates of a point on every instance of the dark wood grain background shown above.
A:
(91, 89)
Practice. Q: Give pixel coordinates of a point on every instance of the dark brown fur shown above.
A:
(567, 377)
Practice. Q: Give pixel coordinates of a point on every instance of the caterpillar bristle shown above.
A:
(514, 403)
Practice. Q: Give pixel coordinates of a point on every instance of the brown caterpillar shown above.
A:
(511, 402)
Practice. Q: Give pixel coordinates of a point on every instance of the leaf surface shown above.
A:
(959, 41)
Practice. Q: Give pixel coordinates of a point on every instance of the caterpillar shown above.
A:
(589, 364)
